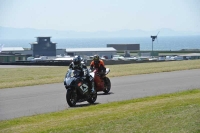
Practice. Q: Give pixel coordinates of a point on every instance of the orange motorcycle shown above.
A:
(102, 83)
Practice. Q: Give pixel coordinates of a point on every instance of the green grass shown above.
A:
(178, 112)
(16, 77)
(169, 113)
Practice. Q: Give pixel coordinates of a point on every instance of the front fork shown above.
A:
(74, 93)
(73, 90)
(105, 81)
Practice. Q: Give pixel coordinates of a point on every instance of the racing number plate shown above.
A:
(84, 88)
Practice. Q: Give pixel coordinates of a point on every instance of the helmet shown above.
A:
(77, 60)
(96, 58)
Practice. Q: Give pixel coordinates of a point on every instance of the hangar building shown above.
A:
(125, 47)
(12, 54)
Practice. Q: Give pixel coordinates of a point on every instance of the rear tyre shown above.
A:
(71, 98)
(107, 85)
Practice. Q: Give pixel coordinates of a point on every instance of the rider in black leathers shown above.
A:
(78, 64)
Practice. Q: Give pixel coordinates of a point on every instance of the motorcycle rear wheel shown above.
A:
(108, 85)
(71, 98)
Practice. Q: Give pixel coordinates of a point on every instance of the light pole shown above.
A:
(153, 39)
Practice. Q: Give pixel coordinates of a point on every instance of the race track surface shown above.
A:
(32, 100)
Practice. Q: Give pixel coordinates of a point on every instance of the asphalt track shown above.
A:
(33, 100)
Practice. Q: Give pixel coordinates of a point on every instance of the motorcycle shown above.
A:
(101, 83)
(77, 89)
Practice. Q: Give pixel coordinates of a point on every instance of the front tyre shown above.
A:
(93, 98)
(71, 97)
(107, 85)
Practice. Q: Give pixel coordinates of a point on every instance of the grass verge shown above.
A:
(177, 112)
(17, 77)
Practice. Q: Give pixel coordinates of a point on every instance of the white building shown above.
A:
(109, 51)
(11, 49)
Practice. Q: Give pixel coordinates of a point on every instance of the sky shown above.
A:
(101, 15)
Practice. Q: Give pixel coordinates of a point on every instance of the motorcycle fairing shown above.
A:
(107, 71)
(82, 87)
(70, 77)
(68, 81)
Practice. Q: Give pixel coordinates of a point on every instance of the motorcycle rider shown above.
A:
(78, 64)
(98, 63)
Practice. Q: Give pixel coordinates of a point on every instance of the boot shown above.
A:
(93, 91)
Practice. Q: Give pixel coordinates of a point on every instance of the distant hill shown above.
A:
(25, 33)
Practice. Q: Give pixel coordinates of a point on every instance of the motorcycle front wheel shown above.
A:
(107, 86)
(71, 98)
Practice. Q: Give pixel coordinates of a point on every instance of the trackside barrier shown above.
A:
(40, 63)
(66, 63)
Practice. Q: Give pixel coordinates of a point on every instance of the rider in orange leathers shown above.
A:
(98, 63)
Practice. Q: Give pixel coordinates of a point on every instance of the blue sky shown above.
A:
(101, 15)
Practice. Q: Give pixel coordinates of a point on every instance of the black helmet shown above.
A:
(77, 60)
(96, 58)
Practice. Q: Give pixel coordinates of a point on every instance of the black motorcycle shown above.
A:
(77, 89)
